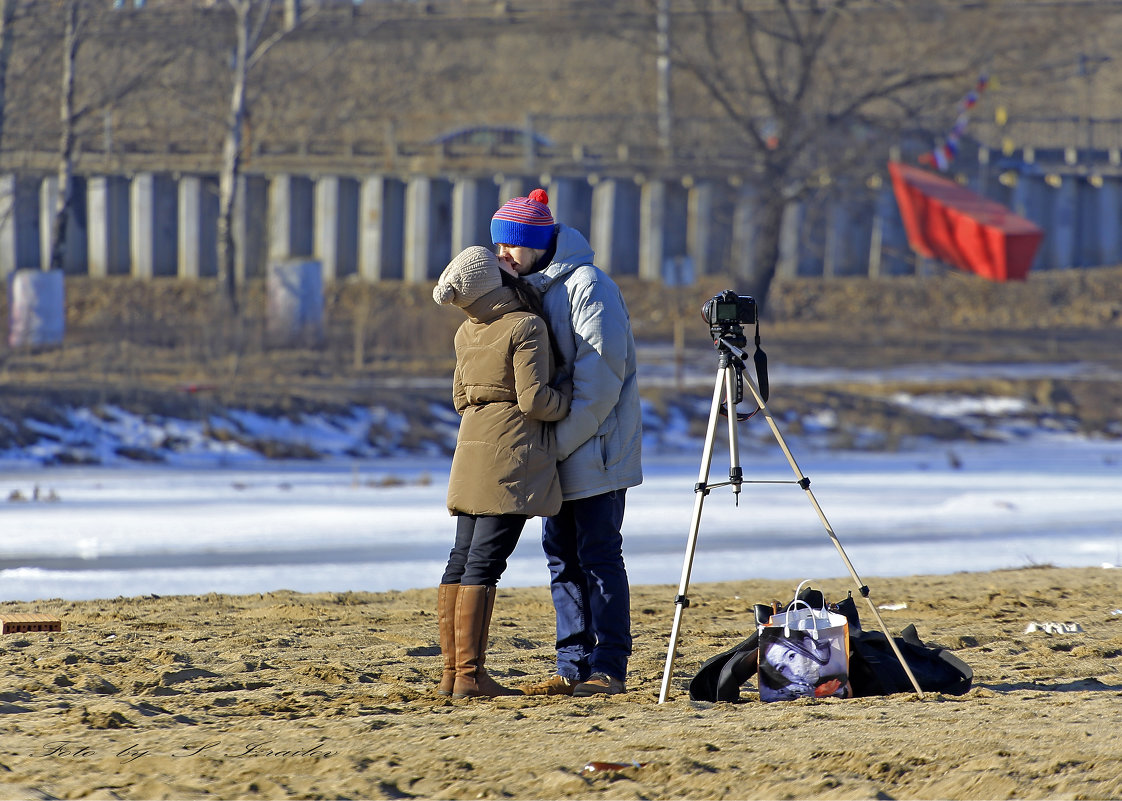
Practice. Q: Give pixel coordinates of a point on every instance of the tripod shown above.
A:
(729, 381)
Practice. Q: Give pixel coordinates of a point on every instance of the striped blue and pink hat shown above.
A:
(524, 222)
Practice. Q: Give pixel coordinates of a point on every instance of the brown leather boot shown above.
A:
(446, 620)
(474, 605)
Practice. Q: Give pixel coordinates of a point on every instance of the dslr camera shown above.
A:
(727, 312)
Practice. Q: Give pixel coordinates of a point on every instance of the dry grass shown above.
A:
(169, 347)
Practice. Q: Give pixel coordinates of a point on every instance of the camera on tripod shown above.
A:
(727, 314)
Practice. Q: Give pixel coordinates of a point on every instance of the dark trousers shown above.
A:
(483, 544)
(588, 580)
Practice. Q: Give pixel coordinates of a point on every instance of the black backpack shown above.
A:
(875, 670)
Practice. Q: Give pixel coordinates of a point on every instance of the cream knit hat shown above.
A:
(468, 277)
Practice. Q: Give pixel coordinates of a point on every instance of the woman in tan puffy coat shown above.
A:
(505, 467)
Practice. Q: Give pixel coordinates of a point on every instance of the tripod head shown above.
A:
(726, 335)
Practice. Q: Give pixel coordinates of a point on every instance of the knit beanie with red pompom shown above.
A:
(524, 222)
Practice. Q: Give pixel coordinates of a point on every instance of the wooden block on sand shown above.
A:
(18, 623)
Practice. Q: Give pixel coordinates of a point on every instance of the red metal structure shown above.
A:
(950, 223)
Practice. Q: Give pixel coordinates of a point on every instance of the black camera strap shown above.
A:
(760, 358)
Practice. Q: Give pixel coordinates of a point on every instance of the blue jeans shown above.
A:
(588, 580)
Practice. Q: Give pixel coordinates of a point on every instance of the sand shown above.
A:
(289, 695)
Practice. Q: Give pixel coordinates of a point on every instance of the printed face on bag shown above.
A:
(800, 662)
(796, 664)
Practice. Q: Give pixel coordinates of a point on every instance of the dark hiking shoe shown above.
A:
(599, 684)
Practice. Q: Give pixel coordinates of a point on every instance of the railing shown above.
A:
(1044, 133)
(702, 147)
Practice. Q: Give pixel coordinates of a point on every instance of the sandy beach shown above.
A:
(288, 695)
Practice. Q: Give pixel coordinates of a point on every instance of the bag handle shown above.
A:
(799, 589)
(792, 610)
(795, 607)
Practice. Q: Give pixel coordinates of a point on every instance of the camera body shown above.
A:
(727, 312)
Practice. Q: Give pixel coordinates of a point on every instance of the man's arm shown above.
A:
(600, 332)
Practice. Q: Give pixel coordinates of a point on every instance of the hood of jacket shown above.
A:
(572, 251)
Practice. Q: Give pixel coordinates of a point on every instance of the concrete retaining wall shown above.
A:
(393, 227)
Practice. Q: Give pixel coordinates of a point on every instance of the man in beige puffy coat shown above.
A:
(504, 469)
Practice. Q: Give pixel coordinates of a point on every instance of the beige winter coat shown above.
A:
(505, 460)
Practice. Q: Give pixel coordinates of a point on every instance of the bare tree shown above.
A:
(78, 29)
(817, 89)
(71, 40)
(7, 16)
(251, 19)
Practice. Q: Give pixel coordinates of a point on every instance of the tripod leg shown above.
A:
(736, 474)
(804, 482)
(701, 489)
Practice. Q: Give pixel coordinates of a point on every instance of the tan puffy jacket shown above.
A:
(505, 460)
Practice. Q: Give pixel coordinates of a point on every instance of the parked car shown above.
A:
(492, 136)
